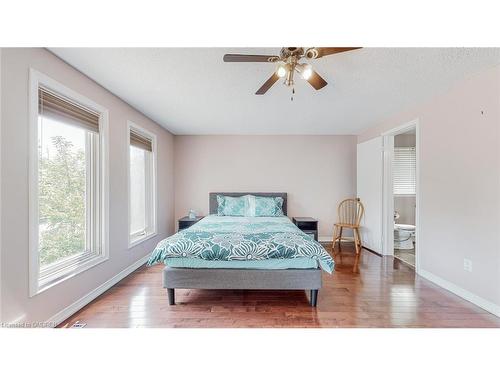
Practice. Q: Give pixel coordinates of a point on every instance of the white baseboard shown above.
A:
(465, 294)
(64, 314)
(329, 239)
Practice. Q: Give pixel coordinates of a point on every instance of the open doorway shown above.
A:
(401, 193)
(404, 173)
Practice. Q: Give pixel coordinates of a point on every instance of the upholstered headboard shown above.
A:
(213, 199)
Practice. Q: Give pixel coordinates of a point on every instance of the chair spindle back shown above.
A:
(350, 211)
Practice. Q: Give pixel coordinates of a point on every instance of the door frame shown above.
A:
(388, 192)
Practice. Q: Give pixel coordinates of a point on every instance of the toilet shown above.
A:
(404, 236)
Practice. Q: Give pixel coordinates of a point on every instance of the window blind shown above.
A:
(56, 107)
(140, 141)
(404, 170)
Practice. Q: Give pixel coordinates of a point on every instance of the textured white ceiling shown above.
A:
(192, 91)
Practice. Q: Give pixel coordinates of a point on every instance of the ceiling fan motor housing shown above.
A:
(287, 52)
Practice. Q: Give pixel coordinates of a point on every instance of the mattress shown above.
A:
(246, 240)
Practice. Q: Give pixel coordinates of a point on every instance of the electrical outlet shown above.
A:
(467, 265)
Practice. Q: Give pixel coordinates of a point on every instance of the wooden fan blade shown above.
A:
(325, 51)
(249, 58)
(267, 85)
(317, 81)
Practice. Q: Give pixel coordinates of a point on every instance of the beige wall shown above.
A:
(459, 183)
(405, 205)
(16, 304)
(317, 172)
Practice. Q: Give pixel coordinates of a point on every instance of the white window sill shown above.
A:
(139, 239)
(68, 273)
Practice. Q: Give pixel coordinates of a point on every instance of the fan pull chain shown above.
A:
(293, 93)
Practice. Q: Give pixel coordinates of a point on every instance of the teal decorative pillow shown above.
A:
(231, 206)
(267, 206)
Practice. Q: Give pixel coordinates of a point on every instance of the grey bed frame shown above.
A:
(204, 278)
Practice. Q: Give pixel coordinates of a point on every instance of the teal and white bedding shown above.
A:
(241, 239)
(231, 206)
(249, 205)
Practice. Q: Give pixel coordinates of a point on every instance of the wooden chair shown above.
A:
(350, 212)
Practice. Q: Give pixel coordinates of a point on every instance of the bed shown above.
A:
(240, 252)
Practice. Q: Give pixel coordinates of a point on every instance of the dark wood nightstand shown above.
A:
(308, 225)
(186, 222)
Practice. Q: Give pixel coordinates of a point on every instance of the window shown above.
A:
(67, 205)
(404, 171)
(142, 185)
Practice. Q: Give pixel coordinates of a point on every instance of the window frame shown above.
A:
(41, 280)
(151, 217)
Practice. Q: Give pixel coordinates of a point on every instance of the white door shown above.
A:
(369, 187)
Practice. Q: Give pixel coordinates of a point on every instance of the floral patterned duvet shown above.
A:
(233, 238)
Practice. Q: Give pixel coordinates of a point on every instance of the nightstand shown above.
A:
(186, 222)
(308, 225)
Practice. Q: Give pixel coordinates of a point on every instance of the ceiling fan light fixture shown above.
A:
(281, 71)
(307, 71)
(288, 63)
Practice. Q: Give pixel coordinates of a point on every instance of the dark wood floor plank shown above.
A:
(364, 291)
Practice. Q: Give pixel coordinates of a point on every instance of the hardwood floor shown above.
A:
(364, 291)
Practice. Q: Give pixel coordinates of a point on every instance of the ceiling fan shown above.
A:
(288, 63)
